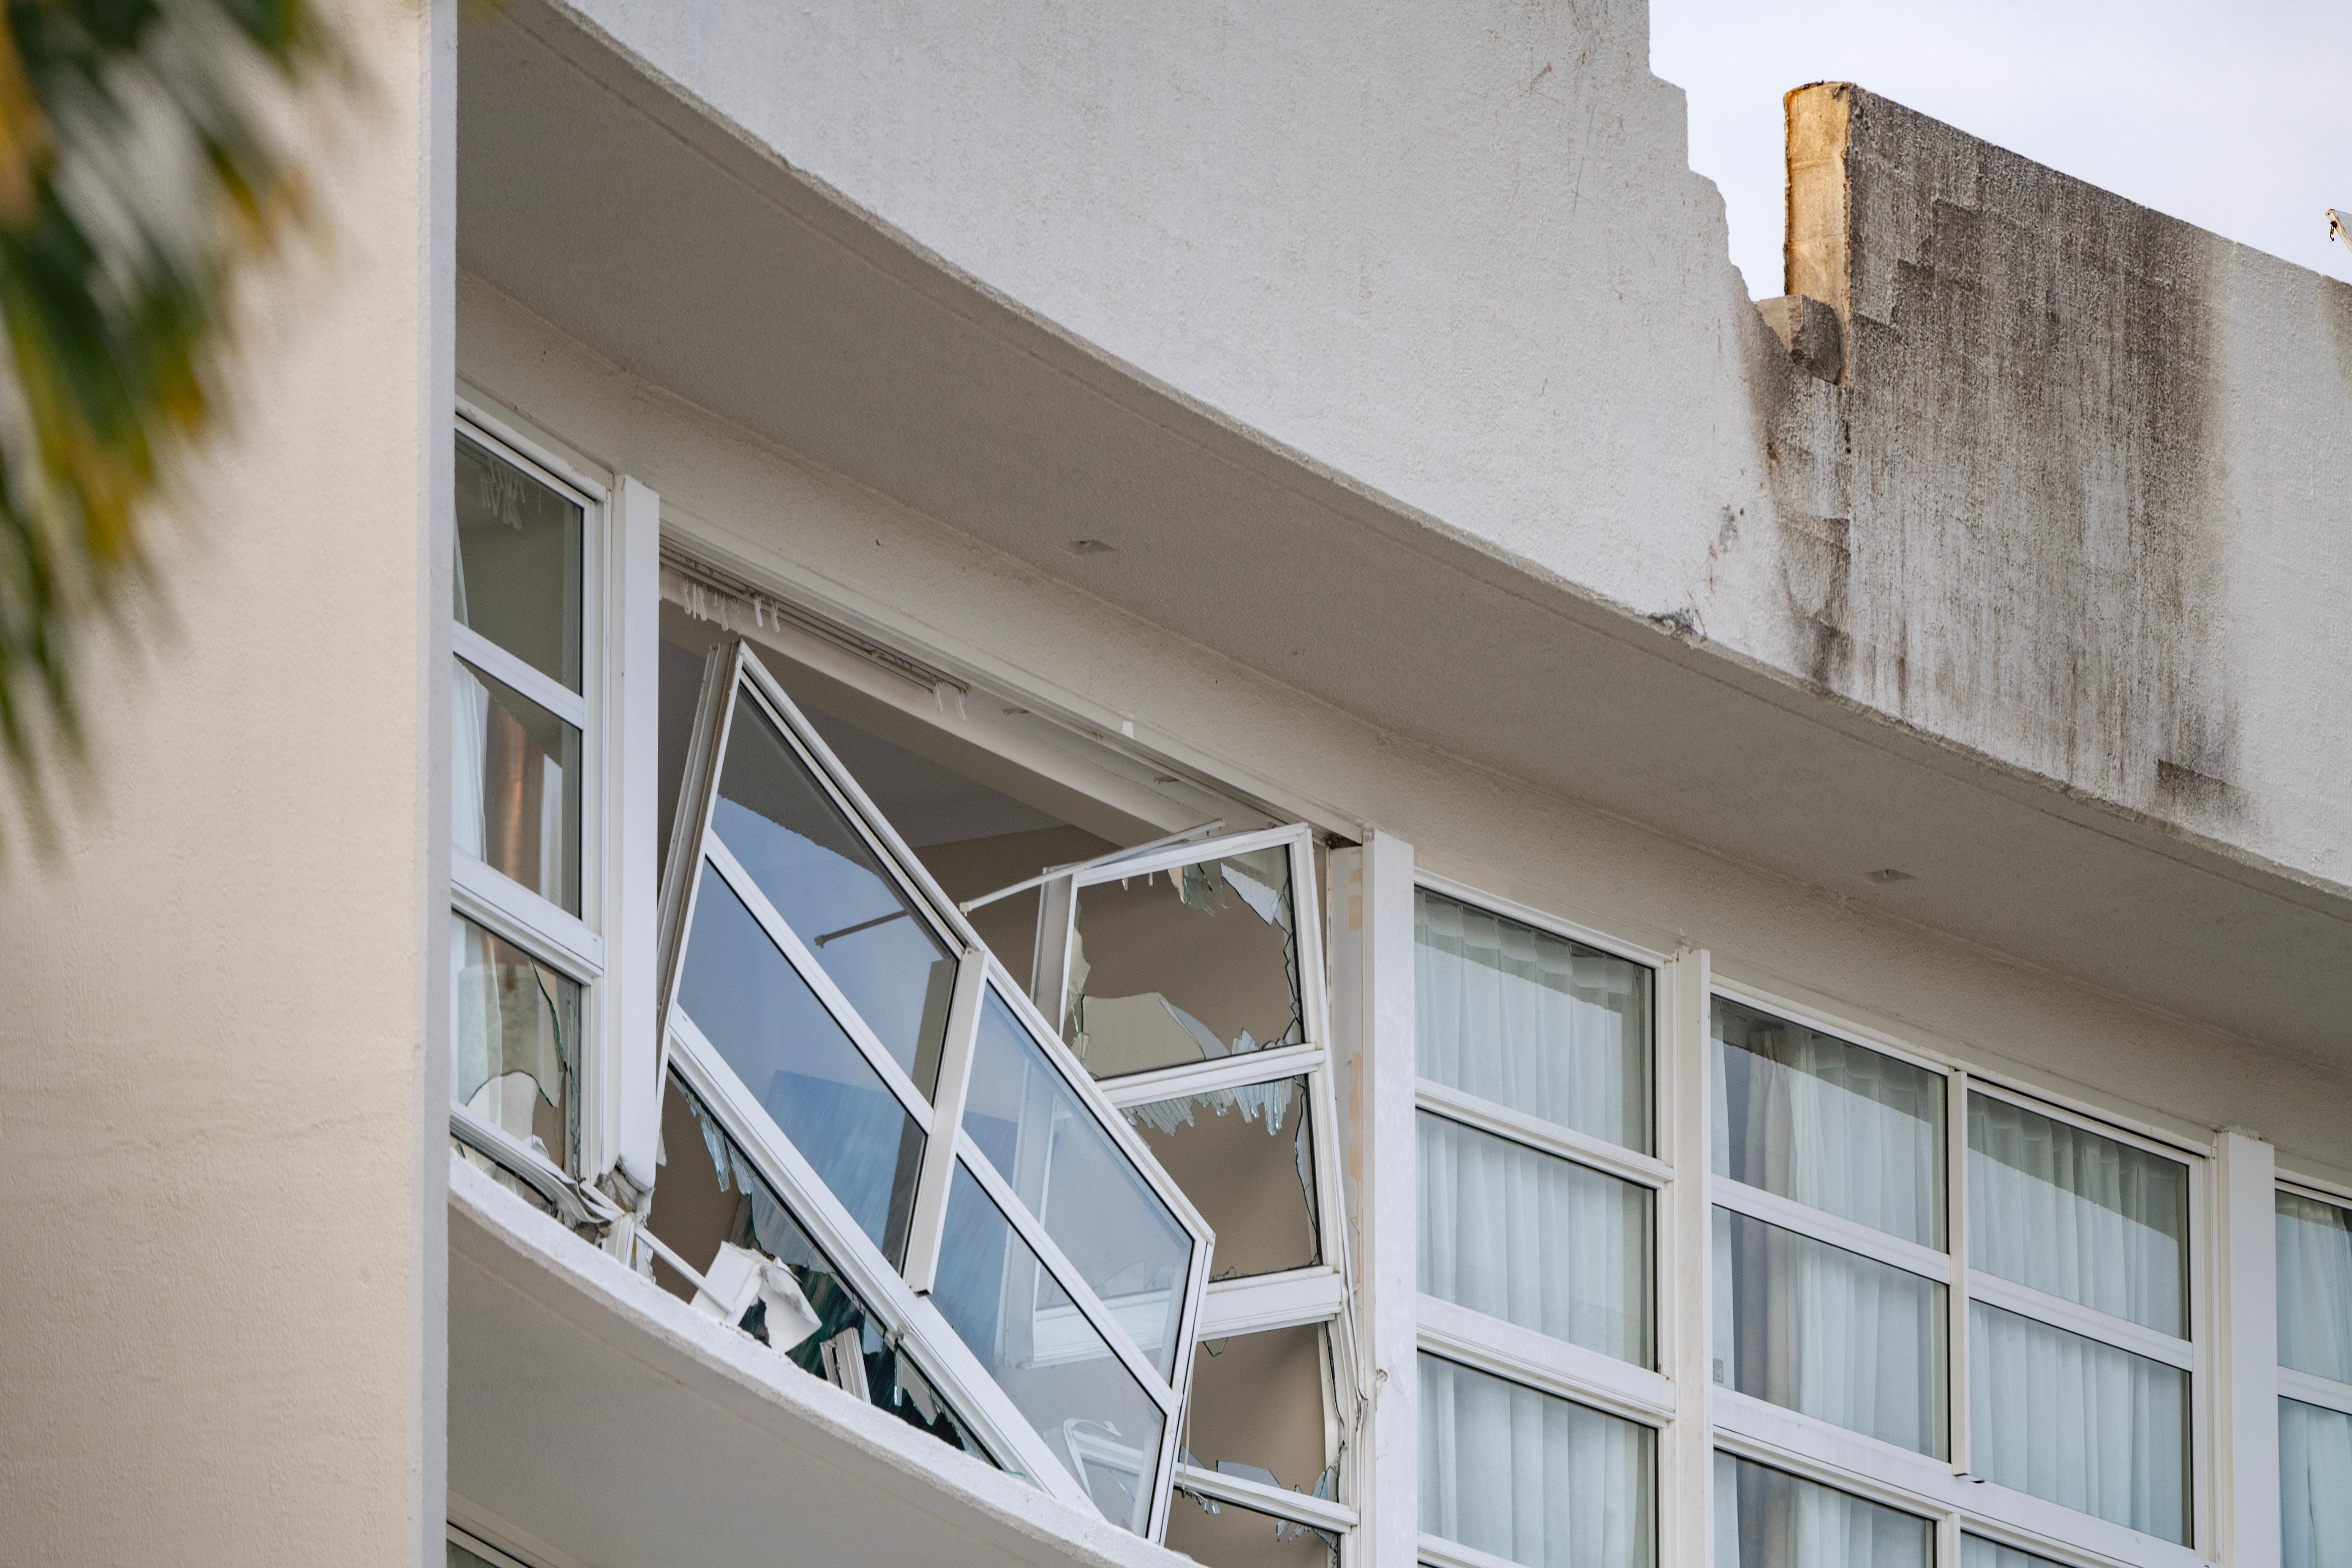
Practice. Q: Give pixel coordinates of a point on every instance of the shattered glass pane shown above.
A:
(519, 551)
(1186, 965)
(709, 1198)
(1227, 1535)
(1245, 1159)
(503, 1177)
(751, 1003)
(514, 780)
(1531, 1020)
(1059, 1372)
(514, 1042)
(1261, 1409)
(1086, 1193)
(831, 889)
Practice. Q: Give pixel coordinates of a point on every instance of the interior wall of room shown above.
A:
(224, 1125)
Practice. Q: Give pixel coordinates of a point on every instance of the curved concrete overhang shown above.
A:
(664, 238)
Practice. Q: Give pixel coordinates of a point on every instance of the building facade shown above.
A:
(1024, 787)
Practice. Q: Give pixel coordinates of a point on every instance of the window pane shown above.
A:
(518, 579)
(1531, 1020)
(709, 1197)
(1227, 1535)
(1833, 1125)
(1047, 1358)
(1976, 1552)
(2314, 1286)
(1245, 1159)
(1258, 1407)
(2083, 1424)
(1769, 1519)
(2314, 1486)
(1829, 1333)
(831, 889)
(1186, 965)
(515, 786)
(514, 1042)
(750, 1002)
(2062, 1209)
(1108, 1223)
(1531, 1478)
(1541, 1242)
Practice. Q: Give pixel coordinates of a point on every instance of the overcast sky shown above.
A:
(2237, 117)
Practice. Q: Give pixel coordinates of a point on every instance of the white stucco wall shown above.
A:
(221, 1124)
(1031, 635)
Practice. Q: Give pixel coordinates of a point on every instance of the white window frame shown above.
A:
(1944, 1489)
(1321, 1293)
(1644, 1395)
(901, 1303)
(2309, 1388)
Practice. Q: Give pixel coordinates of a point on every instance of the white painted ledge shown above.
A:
(596, 1413)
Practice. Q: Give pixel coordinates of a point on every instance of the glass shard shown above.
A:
(518, 578)
(514, 1042)
(1829, 1333)
(800, 1065)
(1531, 1020)
(515, 786)
(1535, 1240)
(1082, 1187)
(1245, 1157)
(831, 887)
(1186, 965)
(2093, 1219)
(1031, 1338)
(1836, 1126)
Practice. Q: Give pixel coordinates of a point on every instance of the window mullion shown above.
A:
(1544, 1137)
(1844, 1234)
(499, 903)
(1956, 1238)
(1206, 1077)
(928, 1225)
(472, 647)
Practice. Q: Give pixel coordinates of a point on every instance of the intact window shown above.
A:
(2315, 1336)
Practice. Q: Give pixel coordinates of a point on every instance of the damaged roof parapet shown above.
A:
(1809, 330)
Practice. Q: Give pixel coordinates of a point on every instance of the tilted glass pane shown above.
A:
(2314, 1486)
(518, 578)
(802, 1068)
(515, 786)
(2078, 1422)
(514, 1042)
(711, 1198)
(1829, 1333)
(1260, 1407)
(1032, 1339)
(2062, 1209)
(1769, 1519)
(2314, 1286)
(833, 890)
(1227, 1535)
(1244, 1158)
(1542, 1242)
(1976, 1552)
(1184, 965)
(1115, 1230)
(1534, 1478)
(1837, 1126)
(1533, 1021)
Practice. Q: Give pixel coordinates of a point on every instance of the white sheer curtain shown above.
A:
(1767, 1519)
(2078, 1422)
(470, 719)
(2062, 1209)
(1532, 1021)
(1538, 1480)
(1833, 1125)
(2314, 1286)
(1829, 1333)
(1538, 1241)
(1976, 1552)
(2315, 1485)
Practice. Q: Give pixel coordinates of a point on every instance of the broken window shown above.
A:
(759, 1269)
(514, 1043)
(933, 1138)
(1222, 1533)
(1243, 1157)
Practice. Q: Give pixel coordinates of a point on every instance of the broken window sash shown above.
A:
(767, 1277)
(791, 911)
(1263, 1409)
(1245, 1158)
(1221, 1533)
(514, 1043)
